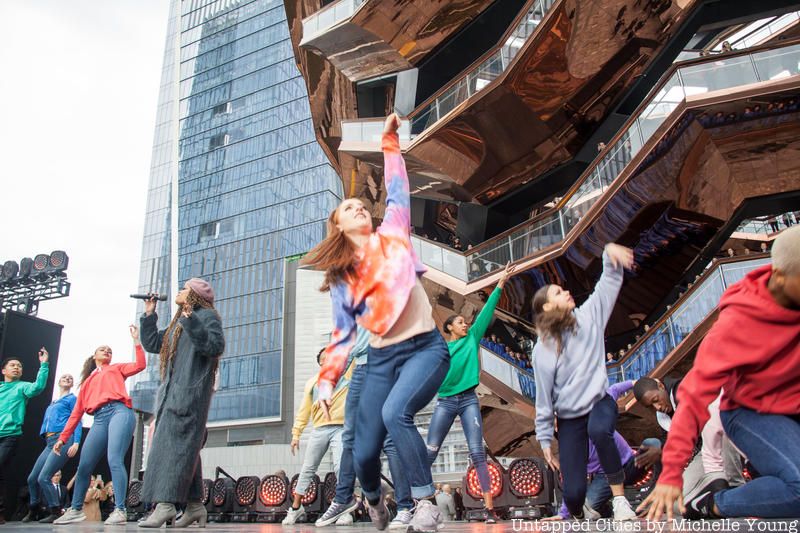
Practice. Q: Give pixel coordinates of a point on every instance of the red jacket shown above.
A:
(752, 352)
(101, 387)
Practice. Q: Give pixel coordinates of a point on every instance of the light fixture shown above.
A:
(244, 503)
(58, 261)
(273, 499)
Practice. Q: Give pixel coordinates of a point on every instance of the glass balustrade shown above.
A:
(666, 337)
(329, 16)
(484, 73)
(509, 374)
(552, 227)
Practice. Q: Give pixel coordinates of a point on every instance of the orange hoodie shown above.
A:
(753, 352)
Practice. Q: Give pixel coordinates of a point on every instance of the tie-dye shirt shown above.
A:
(386, 271)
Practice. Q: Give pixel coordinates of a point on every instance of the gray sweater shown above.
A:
(571, 383)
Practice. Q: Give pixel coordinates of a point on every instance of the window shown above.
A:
(218, 141)
(208, 232)
(223, 109)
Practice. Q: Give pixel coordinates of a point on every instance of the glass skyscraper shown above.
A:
(250, 184)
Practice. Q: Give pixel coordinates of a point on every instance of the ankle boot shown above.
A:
(195, 512)
(164, 512)
(55, 512)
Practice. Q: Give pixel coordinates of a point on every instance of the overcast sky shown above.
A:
(79, 85)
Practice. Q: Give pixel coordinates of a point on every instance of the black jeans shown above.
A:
(573, 443)
(8, 446)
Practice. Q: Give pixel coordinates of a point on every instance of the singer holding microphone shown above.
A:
(102, 394)
(190, 349)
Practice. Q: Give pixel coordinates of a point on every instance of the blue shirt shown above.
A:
(57, 414)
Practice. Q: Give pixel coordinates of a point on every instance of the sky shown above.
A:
(79, 84)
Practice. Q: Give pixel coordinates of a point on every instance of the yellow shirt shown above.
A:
(309, 408)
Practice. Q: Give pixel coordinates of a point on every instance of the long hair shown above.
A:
(553, 324)
(88, 367)
(169, 345)
(336, 255)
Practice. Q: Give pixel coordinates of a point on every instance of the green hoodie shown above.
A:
(465, 367)
(14, 396)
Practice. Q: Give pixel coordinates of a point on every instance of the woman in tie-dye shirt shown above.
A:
(373, 278)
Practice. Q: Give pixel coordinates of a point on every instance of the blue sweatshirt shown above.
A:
(57, 414)
(571, 383)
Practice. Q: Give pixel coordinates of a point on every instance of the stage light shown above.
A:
(222, 497)
(531, 488)
(134, 506)
(58, 261)
(9, 271)
(40, 263)
(637, 491)
(473, 486)
(311, 501)
(525, 478)
(207, 487)
(273, 499)
(25, 267)
(245, 491)
(329, 488)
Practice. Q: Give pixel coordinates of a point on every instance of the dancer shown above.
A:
(102, 394)
(190, 349)
(14, 396)
(457, 394)
(634, 465)
(374, 276)
(571, 380)
(751, 354)
(327, 433)
(48, 463)
(344, 503)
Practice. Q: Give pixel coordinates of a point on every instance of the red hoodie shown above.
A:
(753, 352)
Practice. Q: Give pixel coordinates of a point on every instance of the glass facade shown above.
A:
(253, 185)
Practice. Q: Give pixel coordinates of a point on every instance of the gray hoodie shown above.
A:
(571, 383)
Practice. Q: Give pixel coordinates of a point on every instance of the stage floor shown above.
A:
(737, 526)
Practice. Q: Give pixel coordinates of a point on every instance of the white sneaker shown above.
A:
(622, 509)
(70, 516)
(427, 518)
(117, 517)
(293, 516)
(345, 520)
(402, 520)
(589, 513)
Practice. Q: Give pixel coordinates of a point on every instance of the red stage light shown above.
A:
(525, 478)
(218, 492)
(495, 478)
(645, 480)
(207, 485)
(273, 491)
(246, 490)
(311, 492)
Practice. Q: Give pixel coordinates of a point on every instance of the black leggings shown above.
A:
(573, 443)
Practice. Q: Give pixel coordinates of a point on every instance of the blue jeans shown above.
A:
(45, 467)
(772, 444)
(322, 438)
(465, 405)
(111, 432)
(347, 474)
(402, 379)
(573, 442)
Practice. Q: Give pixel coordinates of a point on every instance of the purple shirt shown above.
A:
(625, 452)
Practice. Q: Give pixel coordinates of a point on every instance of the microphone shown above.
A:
(160, 297)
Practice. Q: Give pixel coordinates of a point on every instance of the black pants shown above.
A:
(573, 443)
(8, 446)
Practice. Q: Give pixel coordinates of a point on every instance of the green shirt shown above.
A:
(465, 368)
(14, 396)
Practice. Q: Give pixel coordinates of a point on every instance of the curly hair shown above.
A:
(169, 345)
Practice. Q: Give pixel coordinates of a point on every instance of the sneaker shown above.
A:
(71, 516)
(702, 504)
(491, 516)
(379, 515)
(293, 515)
(116, 518)
(427, 518)
(335, 512)
(589, 513)
(622, 509)
(345, 520)
(402, 520)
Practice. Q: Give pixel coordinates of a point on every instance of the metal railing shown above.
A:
(483, 73)
(757, 32)
(665, 336)
(509, 374)
(695, 77)
(327, 17)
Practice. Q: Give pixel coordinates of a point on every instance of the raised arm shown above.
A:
(34, 389)
(484, 318)
(397, 218)
(342, 340)
(151, 336)
(129, 369)
(601, 302)
(204, 327)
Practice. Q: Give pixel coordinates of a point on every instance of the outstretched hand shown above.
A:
(661, 500)
(620, 255)
(506, 274)
(392, 124)
(43, 355)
